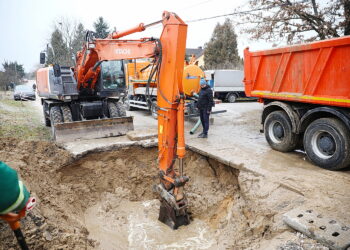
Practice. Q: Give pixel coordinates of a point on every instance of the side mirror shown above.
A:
(56, 70)
(42, 58)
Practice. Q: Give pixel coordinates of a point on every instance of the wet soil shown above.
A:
(105, 201)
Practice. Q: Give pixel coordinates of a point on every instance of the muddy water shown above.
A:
(134, 225)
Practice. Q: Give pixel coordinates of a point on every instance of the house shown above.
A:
(198, 53)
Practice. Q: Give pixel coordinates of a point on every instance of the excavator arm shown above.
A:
(98, 50)
(168, 53)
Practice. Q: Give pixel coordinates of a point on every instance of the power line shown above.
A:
(218, 16)
(230, 14)
(194, 5)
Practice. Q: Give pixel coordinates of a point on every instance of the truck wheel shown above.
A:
(326, 143)
(113, 111)
(55, 117)
(231, 98)
(67, 114)
(121, 109)
(154, 109)
(278, 132)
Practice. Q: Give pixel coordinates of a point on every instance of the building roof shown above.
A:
(196, 52)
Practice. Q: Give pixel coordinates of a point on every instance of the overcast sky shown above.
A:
(26, 25)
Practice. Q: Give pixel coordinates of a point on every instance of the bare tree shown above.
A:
(297, 20)
(66, 39)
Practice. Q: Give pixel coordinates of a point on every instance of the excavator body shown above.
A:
(84, 113)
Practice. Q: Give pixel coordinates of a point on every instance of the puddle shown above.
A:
(135, 225)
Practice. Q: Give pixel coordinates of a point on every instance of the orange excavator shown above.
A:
(168, 53)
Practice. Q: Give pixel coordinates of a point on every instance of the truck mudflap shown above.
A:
(92, 129)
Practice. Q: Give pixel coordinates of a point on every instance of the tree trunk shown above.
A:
(347, 17)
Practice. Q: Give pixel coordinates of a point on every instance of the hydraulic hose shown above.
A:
(195, 127)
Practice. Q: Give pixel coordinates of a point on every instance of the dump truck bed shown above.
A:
(317, 73)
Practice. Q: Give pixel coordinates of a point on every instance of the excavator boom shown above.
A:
(171, 142)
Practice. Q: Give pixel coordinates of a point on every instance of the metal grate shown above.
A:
(329, 232)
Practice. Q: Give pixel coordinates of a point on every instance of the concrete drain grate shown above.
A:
(328, 232)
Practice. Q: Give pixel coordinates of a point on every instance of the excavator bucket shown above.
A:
(91, 129)
(172, 217)
(172, 213)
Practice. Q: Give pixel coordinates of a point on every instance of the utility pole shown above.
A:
(15, 81)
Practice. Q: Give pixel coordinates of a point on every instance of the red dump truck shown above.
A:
(306, 94)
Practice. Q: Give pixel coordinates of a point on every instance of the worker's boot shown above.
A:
(203, 136)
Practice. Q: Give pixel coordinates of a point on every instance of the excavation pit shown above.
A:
(104, 200)
(119, 209)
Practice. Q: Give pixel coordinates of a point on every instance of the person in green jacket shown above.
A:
(13, 194)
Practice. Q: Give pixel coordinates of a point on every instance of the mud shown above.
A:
(104, 200)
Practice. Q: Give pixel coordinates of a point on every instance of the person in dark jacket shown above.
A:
(205, 104)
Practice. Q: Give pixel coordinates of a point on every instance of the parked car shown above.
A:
(24, 92)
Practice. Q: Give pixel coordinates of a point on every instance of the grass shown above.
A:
(12, 103)
(21, 120)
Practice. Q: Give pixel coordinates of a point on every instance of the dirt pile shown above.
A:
(105, 201)
(37, 163)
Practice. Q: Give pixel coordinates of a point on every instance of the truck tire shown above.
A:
(55, 117)
(121, 109)
(231, 97)
(154, 109)
(67, 114)
(327, 143)
(113, 111)
(278, 132)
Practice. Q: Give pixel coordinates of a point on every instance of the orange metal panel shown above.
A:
(317, 73)
(170, 86)
(121, 50)
(42, 78)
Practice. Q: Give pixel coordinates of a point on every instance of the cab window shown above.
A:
(112, 75)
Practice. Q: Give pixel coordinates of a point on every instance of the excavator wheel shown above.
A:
(167, 215)
(55, 117)
(46, 115)
(113, 110)
(67, 114)
(121, 109)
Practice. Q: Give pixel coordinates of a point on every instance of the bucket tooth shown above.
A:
(169, 216)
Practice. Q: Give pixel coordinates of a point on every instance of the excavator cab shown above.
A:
(111, 81)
